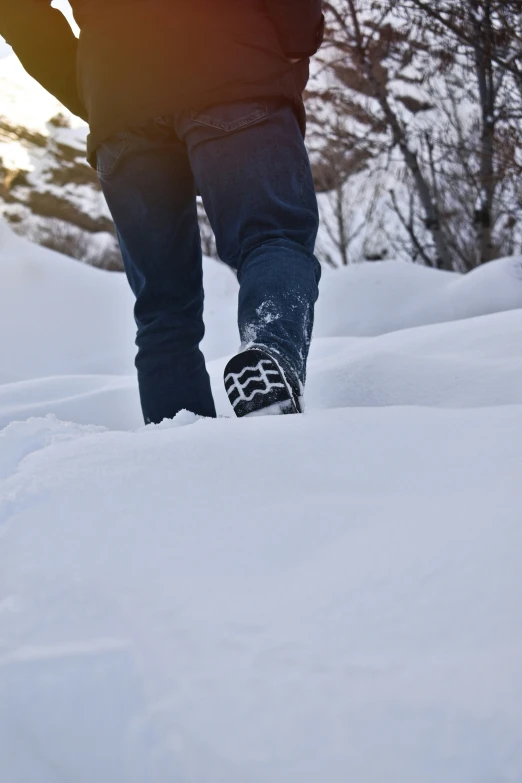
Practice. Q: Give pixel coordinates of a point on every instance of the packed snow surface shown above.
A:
(334, 596)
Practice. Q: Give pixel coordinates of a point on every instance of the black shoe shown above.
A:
(255, 383)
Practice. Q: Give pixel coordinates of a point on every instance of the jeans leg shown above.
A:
(252, 169)
(149, 187)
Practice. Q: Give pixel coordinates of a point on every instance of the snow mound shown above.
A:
(332, 596)
(468, 363)
(384, 296)
(60, 314)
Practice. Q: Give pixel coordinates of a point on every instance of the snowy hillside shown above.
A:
(333, 597)
(48, 192)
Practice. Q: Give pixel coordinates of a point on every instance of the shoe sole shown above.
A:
(254, 381)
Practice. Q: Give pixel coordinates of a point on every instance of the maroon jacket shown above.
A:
(137, 59)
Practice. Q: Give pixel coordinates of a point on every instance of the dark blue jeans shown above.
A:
(249, 162)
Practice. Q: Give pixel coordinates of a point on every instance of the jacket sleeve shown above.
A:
(46, 47)
(300, 25)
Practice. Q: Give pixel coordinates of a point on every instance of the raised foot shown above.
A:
(256, 384)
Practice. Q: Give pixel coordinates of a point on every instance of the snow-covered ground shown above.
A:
(333, 597)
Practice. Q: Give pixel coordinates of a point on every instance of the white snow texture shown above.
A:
(329, 597)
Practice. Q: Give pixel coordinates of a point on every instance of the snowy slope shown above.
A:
(329, 597)
(48, 192)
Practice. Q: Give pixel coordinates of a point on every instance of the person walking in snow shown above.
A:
(186, 97)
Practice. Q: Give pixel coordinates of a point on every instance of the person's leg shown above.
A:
(251, 166)
(149, 187)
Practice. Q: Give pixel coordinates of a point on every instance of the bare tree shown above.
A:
(369, 50)
(486, 44)
(435, 89)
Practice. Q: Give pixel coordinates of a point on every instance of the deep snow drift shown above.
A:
(329, 597)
